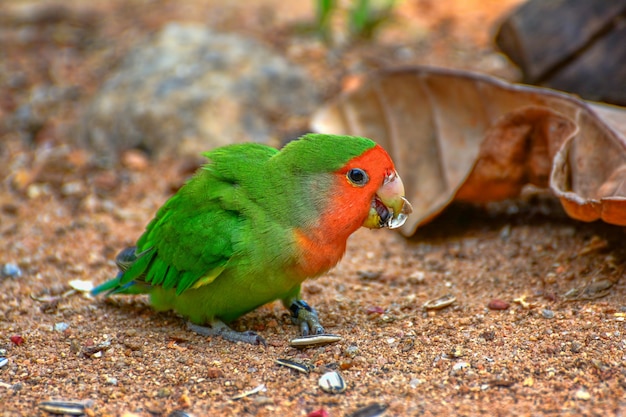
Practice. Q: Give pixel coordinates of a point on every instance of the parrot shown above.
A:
(253, 223)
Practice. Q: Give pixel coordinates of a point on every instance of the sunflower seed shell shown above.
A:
(439, 303)
(71, 408)
(300, 367)
(332, 382)
(314, 340)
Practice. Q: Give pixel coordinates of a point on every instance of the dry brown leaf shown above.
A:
(467, 136)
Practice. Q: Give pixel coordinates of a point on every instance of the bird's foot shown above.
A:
(219, 328)
(306, 317)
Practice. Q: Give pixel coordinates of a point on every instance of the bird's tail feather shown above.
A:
(113, 287)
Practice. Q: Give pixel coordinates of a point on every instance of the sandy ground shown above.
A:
(511, 344)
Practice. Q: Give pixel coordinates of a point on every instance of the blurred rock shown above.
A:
(570, 45)
(190, 89)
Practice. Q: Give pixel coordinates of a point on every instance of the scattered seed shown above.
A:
(497, 304)
(73, 408)
(11, 271)
(81, 285)
(3, 362)
(522, 301)
(300, 367)
(332, 382)
(314, 340)
(439, 303)
(260, 388)
(372, 410)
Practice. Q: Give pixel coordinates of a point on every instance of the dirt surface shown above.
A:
(511, 344)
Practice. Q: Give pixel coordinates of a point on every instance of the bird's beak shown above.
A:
(389, 208)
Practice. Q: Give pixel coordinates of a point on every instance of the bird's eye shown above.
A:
(357, 177)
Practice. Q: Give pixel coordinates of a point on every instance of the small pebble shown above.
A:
(179, 413)
(11, 271)
(17, 339)
(351, 351)
(372, 410)
(164, 392)
(460, 366)
(332, 382)
(375, 310)
(61, 327)
(457, 352)
(3, 362)
(417, 277)
(497, 304)
(415, 382)
(583, 394)
(135, 160)
(548, 314)
(369, 275)
(109, 380)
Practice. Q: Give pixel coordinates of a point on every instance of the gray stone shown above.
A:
(189, 89)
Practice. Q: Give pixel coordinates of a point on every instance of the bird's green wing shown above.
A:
(195, 233)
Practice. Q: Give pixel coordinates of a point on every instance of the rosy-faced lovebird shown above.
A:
(255, 222)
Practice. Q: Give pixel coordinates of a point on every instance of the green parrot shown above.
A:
(255, 222)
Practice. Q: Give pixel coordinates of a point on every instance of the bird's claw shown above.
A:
(306, 317)
(219, 328)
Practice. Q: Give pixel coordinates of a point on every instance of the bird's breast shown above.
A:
(318, 254)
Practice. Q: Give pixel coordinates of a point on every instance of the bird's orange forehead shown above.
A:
(376, 162)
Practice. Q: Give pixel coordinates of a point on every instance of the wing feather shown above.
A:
(193, 236)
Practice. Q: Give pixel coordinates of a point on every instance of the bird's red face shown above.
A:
(372, 190)
(366, 191)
